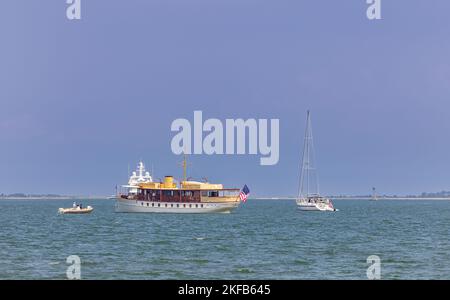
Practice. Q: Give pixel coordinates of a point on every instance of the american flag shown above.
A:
(244, 193)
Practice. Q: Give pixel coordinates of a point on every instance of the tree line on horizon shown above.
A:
(22, 195)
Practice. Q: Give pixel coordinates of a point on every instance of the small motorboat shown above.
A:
(76, 210)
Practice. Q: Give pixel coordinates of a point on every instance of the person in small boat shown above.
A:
(81, 205)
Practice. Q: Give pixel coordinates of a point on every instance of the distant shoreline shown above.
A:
(255, 198)
(58, 198)
(390, 198)
(357, 198)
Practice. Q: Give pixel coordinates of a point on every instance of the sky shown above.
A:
(82, 101)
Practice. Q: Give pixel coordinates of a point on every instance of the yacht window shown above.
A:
(213, 193)
(168, 193)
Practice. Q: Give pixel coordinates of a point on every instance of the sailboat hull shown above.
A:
(315, 206)
(307, 207)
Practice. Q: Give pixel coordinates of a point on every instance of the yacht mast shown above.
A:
(184, 167)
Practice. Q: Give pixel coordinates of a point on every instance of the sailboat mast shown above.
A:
(309, 153)
(311, 163)
(305, 158)
(308, 137)
(310, 185)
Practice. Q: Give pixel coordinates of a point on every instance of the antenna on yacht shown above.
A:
(184, 164)
(141, 168)
(184, 167)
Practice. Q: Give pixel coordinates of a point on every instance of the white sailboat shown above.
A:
(309, 198)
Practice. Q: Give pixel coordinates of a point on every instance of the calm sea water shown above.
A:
(267, 239)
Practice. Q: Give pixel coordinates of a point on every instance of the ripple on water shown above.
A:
(155, 274)
(161, 242)
(301, 262)
(222, 248)
(199, 261)
(244, 270)
(161, 261)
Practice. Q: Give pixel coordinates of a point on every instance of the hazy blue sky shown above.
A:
(80, 100)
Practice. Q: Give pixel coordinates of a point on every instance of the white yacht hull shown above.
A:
(307, 206)
(137, 206)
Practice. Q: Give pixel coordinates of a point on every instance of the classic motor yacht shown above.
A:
(145, 195)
